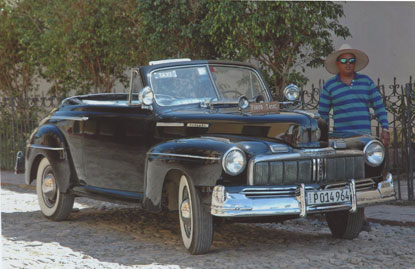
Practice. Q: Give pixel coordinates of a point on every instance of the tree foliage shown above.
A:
(87, 46)
(17, 67)
(173, 29)
(282, 36)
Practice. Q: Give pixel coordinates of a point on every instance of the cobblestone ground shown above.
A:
(102, 235)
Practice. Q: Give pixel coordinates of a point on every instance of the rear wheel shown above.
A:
(195, 219)
(344, 224)
(53, 204)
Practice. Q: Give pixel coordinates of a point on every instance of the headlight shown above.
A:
(146, 96)
(291, 92)
(234, 161)
(374, 153)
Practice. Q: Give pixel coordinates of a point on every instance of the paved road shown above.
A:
(103, 235)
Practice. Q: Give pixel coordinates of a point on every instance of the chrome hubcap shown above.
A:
(185, 210)
(186, 213)
(49, 189)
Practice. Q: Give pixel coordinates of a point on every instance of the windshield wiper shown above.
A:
(223, 103)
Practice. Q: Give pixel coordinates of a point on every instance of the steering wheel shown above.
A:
(236, 93)
(165, 96)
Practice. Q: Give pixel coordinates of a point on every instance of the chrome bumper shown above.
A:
(251, 201)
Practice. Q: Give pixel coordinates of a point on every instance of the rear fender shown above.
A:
(47, 141)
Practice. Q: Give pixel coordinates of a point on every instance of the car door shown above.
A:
(116, 140)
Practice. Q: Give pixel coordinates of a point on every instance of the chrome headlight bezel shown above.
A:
(291, 92)
(146, 96)
(230, 165)
(374, 153)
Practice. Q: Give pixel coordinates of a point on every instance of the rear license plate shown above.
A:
(328, 197)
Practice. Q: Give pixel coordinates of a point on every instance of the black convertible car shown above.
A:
(205, 139)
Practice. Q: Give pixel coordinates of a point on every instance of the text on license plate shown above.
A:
(328, 196)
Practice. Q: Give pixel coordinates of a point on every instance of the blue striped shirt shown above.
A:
(351, 104)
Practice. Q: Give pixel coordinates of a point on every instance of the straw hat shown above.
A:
(362, 59)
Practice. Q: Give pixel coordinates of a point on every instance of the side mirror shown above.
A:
(146, 96)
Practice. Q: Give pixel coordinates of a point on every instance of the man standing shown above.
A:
(350, 95)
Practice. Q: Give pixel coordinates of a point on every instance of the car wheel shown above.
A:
(195, 219)
(344, 224)
(53, 204)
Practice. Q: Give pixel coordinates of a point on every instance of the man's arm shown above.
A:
(324, 105)
(380, 113)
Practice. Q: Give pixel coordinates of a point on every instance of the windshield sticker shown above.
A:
(202, 71)
(165, 74)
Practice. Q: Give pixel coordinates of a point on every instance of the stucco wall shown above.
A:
(386, 32)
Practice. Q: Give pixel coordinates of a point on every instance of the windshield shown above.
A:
(196, 84)
(233, 82)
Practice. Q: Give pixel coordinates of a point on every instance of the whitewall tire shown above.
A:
(53, 204)
(195, 219)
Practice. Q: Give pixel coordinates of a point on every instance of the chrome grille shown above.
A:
(308, 171)
(361, 185)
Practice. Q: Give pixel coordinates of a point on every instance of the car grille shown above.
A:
(289, 191)
(308, 171)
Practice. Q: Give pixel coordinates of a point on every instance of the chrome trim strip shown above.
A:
(185, 156)
(318, 170)
(302, 203)
(69, 118)
(197, 125)
(325, 169)
(44, 147)
(170, 124)
(352, 186)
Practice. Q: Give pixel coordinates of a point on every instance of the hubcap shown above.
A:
(186, 213)
(185, 210)
(49, 189)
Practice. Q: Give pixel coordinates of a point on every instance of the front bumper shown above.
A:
(252, 201)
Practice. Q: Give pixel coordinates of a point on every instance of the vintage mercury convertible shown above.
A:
(205, 138)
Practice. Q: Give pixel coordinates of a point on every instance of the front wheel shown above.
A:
(53, 204)
(344, 224)
(195, 219)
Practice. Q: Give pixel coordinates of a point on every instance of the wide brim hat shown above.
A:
(362, 60)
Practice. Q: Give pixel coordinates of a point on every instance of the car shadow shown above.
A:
(130, 236)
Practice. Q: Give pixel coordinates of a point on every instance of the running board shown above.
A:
(108, 195)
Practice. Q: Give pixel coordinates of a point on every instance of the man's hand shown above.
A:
(385, 137)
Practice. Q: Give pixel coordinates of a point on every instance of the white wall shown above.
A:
(386, 32)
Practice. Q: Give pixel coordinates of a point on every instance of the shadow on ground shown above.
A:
(129, 236)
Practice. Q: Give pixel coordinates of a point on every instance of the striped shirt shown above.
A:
(351, 104)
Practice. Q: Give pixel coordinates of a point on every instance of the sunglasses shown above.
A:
(345, 60)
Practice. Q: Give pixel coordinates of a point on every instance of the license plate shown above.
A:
(328, 197)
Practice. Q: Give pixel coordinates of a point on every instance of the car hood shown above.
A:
(293, 128)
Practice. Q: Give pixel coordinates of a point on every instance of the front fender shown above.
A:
(355, 141)
(198, 158)
(47, 141)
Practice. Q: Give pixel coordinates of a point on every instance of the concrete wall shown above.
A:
(386, 32)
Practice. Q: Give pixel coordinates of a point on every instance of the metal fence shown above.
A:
(398, 98)
(19, 117)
